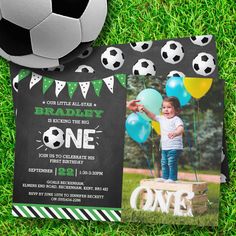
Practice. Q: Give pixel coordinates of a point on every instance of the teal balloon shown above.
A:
(137, 128)
(175, 87)
(152, 101)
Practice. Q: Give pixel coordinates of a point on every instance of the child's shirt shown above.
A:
(168, 126)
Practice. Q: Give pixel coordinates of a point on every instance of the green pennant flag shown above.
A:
(122, 79)
(97, 85)
(47, 82)
(23, 74)
(72, 86)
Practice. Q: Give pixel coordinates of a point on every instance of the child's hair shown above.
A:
(174, 102)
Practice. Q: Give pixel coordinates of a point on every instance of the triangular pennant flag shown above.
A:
(72, 86)
(122, 79)
(35, 78)
(97, 84)
(59, 86)
(47, 82)
(23, 74)
(109, 81)
(84, 86)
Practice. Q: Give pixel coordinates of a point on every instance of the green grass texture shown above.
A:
(134, 21)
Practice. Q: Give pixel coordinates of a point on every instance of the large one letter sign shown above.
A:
(161, 200)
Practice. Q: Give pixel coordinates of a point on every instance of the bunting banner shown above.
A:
(71, 86)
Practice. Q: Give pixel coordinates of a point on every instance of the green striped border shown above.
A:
(66, 212)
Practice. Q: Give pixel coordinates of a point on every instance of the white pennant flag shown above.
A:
(109, 81)
(84, 86)
(59, 86)
(35, 78)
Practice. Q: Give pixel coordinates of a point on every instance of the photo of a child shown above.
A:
(172, 129)
(172, 151)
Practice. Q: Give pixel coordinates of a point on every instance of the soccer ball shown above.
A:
(85, 69)
(53, 138)
(202, 40)
(144, 67)
(175, 73)
(56, 68)
(204, 64)
(15, 82)
(172, 52)
(48, 33)
(141, 46)
(113, 58)
(88, 51)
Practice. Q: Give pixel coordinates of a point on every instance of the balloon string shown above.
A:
(194, 128)
(149, 166)
(195, 134)
(153, 152)
(190, 152)
(146, 157)
(144, 85)
(198, 123)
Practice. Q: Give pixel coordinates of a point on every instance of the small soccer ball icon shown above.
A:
(113, 58)
(144, 67)
(15, 82)
(86, 53)
(202, 40)
(141, 46)
(172, 52)
(47, 33)
(85, 69)
(175, 73)
(56, 68)
(54, 138)
(204, 64)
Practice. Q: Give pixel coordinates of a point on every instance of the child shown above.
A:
(172, 129)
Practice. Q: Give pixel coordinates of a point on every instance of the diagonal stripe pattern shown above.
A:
(66, 212)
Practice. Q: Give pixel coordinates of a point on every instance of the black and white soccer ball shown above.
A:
(47, 33)
(113, 58)
(144, 67)
(172, 52)
(53, 138)
(56, 68)
(86, 53)
(202, 40)
(204, 64)
(15, 82)
(85, 69)
(141, 46)
(175, 73)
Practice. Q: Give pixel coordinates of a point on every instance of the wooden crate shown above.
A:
(198, 203)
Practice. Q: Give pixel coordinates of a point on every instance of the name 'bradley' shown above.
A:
(49, 111)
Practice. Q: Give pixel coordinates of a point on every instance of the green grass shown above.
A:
(137, 20)
(190, 169)
(131, 181)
